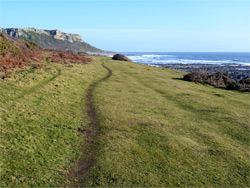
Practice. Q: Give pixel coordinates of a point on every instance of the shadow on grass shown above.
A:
(178, 79)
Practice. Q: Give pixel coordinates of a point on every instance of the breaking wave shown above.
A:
(191, 58)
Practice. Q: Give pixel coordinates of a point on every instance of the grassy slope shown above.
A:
(156, 130)
(40, 112)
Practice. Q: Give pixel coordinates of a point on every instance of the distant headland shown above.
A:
(54, 40)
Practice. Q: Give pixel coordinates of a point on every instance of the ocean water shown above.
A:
(222, 58)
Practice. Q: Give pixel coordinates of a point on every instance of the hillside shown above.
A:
(119, 124)
(18, 53)
(54, 40)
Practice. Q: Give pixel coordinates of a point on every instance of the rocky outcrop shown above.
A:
(120, 57)
(83, 53)
(54, 40)
(57, 34)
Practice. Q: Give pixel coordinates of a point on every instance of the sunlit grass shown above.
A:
(158, 130)
(155, 129)
(41, 111)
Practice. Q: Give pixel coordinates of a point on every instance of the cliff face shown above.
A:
(27, 32)
(54, 40)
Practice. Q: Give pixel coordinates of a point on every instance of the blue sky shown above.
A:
(140, 25)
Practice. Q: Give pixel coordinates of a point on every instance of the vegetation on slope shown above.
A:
(6, 47)
(158, 130)
(40, 113)
(154, 128)
(16, 53)
(218, 79)
(49, 42)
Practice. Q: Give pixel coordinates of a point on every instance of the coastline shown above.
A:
(236, 64)
(236, 72)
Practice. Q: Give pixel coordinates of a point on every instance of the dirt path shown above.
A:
(91, 132)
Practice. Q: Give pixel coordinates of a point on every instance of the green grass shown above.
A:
(158, 130)
(40, 112)
(155, 129)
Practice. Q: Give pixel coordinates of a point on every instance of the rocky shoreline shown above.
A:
(236, 72)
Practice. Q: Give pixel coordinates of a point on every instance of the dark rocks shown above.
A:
(83, 53)
(120, 57)
(235, 72)
(218, 79)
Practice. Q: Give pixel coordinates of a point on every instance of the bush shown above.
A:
(233, 86)
(31, 45)
(218, 79)
(247, 81)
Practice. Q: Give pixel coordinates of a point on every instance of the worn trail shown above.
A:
(32, 89)
(91, 132)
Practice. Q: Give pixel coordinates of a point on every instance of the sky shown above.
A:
(140, 25)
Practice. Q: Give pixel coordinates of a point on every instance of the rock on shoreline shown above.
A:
(236, 72)
(120, 57)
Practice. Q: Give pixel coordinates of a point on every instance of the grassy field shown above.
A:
(40, 113)
(154, 128)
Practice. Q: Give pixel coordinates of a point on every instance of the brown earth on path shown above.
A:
(17, 53)
(81, 172)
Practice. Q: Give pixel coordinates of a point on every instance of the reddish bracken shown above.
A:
(16, 53)
(8, 61)
(67, 58)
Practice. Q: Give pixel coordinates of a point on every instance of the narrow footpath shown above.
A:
(90, 133)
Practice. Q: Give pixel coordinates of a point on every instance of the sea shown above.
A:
(222, 58)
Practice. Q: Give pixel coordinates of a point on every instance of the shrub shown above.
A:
(247, 81)
(67, 57)
(233, 86)
(6, 47)
(31, 45)
(218, 79)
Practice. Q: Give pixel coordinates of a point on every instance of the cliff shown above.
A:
(54, 40)
(57, 34)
